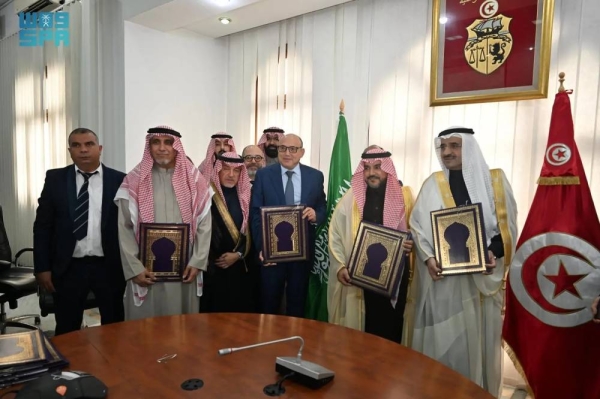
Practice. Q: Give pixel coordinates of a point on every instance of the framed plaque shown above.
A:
(284, 234)
(459, 239)
(164, 249)
(490, 50)
(377, 260)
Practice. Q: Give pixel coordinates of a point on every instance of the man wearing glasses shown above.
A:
(253, 159)
(287, 183)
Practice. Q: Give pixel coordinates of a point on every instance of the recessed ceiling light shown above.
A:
(225, 20)
(443, 20)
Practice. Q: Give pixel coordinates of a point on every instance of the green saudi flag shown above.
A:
(339, 182)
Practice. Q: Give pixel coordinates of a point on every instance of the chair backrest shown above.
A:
(5, 252)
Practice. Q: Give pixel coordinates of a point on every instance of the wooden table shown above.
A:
(124, 356)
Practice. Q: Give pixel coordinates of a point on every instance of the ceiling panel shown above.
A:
(202, 16)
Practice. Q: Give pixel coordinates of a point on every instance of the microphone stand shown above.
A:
(227, 351)
(306, 373)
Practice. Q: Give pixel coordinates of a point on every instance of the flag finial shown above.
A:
(342, 106)
(561, 79)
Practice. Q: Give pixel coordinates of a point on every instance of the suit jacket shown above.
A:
(53, 238)
(268, 190)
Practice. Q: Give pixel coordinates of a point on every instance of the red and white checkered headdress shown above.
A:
(393, 207)
(191, 189)
(270, 130)
(206, 167)
(243, 186)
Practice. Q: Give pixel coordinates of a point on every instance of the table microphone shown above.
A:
(306, 373)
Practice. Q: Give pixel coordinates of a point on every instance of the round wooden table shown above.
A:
(124, 356)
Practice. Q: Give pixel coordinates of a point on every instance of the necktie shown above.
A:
(80, 223)
(289, 189)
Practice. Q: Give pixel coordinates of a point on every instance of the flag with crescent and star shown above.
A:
(555, 275)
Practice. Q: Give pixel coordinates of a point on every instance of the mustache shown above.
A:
(374, 177)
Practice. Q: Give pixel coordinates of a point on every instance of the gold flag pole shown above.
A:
(342, 106)
(561, 79)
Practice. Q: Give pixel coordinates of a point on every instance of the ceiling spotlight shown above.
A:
(443, 20)
(225, 20)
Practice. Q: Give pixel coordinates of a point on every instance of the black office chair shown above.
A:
(16, 281)
(47, 306)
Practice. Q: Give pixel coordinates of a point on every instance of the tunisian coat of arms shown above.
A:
(489, 40)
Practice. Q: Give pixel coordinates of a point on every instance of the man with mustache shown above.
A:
(269, 142)
(375, 196)
(165, 187)
(220, 143)
(458, 319)
(253, 160)
(229, 282)
(75, 240)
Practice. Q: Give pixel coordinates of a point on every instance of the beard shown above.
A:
(162, 161)
(271, 151)
(376, 182)
(252, 172)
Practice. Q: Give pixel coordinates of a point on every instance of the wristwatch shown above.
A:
(241, 255)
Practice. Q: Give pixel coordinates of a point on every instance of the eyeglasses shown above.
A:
(283, 148)
(255, 158)
(453, 146)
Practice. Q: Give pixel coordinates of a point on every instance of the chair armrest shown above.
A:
(5, 263)
(21, 252)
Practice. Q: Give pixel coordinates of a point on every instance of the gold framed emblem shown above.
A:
(490, 50)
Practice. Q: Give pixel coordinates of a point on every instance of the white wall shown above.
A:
(177, 79)
(9, 21)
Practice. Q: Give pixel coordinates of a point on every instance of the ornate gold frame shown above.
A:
(537, 91)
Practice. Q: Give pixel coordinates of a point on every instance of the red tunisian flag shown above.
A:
(555, 275)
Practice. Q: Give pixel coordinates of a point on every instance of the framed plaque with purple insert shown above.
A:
(459, 239)
(284, 234)
(164, 249)
(377, 260)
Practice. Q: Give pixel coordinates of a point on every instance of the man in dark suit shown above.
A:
(75, 239)
(287, 183)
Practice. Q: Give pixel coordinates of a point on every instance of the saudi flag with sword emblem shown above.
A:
(339, 182)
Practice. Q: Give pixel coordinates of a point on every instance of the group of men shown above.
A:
(89, 220)
(87, 233)
(455, 319)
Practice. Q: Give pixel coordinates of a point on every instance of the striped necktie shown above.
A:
(80, 223)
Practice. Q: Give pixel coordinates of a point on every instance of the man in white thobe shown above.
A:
(164, 187)
(458, 318)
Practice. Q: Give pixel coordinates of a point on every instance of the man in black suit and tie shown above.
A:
(287, 183)
(75, 239)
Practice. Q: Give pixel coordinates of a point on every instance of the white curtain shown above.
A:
(48, 91)
(31, 138)
(8, 200)
(375, 54)
(98, 69)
